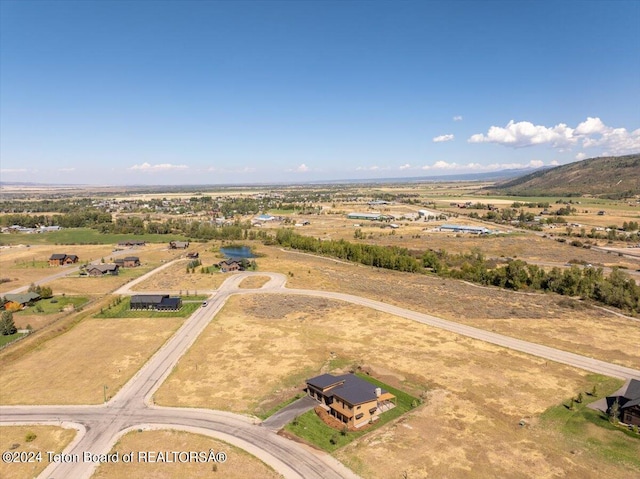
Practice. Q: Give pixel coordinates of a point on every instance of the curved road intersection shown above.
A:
(131, 408)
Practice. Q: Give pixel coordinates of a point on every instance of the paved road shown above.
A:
(101, 426)
(287, 414)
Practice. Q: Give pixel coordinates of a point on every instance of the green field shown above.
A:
(83, 236)
(584, 427)
(54, 305)
(121, 310)
(311, 428)
(8, 338)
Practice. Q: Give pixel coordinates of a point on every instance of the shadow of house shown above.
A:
(155, 302)
(628, 401)
(350, 399)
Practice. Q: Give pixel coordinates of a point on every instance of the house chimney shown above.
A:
(378, 392)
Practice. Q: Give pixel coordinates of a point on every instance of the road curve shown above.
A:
(132, 406)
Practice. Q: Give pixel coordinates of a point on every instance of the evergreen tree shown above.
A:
(7, 326)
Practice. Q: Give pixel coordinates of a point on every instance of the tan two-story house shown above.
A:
(349, 398)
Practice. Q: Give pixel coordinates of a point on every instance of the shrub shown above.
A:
(30, 437)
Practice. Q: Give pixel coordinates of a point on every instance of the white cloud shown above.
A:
(13, 170)
(470, 167)
(368, 168)
(302, 168)
(554, 163)
(406, 166)
(591, 133)
(441, 138)
(159, 167)
(525, 133)
(457, 118)
(64, 170)
(581, 156)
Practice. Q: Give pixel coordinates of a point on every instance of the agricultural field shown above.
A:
(259, 350)
(33, 439)
(239, 464)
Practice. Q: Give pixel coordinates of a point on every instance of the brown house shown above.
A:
(62, 259)
(230, 265)
(629, 403)
(102, 269)
(350, 399)
(178, 244)
(128, 262)
(17, 302)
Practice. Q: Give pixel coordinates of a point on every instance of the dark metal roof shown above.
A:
(324, 381)
(347, 387)
(58, 256)
(131, 258)
(633, 390)
(22, 298)
(148, 298)
(355, 390)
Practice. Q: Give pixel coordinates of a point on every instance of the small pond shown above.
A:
(237, 252)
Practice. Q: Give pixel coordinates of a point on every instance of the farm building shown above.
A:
(465, 229)
(60, 259)
(365, 216)
(155, 302)
(265, 217)
(102, 269)
(178, 244)
(350, 399)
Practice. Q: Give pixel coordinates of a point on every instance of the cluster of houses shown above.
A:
(112, 268)
(23, 229)
(350, 399)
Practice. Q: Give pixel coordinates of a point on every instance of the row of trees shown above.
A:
(395, 258)
(617, 289)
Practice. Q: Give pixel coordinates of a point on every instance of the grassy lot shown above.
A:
(54, 305)
(6, 339)
(121, 310)
(592, 430)
(47, 438)
(73, 236)
(312, 429)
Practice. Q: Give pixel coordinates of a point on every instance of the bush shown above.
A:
(30, 437)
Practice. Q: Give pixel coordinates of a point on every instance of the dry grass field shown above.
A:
(548, 319)
(239, 464)
(74, 367)
(260, 348)
(48, 438)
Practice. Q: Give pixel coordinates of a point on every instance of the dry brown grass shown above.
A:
(239, 464)
(547, 319)
(73, 368)
(253, 282)
(48, 438)
(260, 348)
(16, 262)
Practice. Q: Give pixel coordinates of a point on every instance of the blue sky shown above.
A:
(180, 92)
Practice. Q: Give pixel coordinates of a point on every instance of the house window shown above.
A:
(359, 416)
(358, 407)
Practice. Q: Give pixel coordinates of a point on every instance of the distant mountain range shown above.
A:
(610, 177)
(485, 176)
